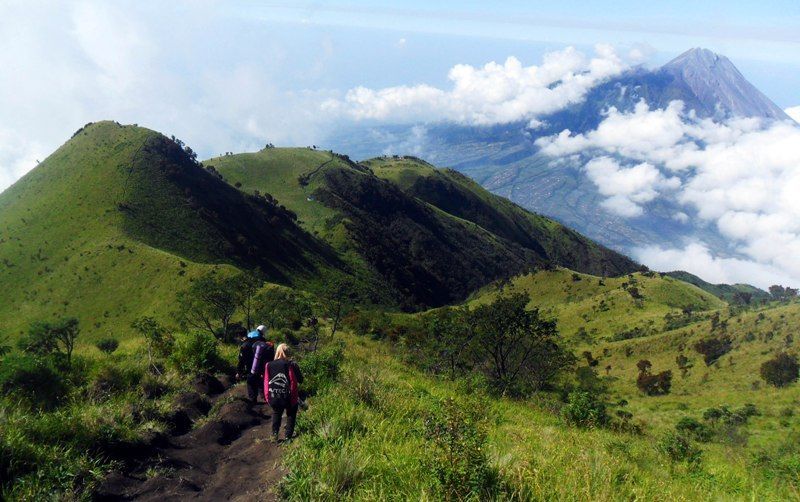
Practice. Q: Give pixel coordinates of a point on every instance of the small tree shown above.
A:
(45, 338)
(158, 341)
(519, 348)
(210, 303)
(781, 370)
(713, 347)
(449, 335)
(248, 289)
(337, 299)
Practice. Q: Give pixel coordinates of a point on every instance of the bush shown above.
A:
(112, 379)
(713, 348)
(780, 370)
(457, 454)
(690, 427)
(653, 384)
(196, 352)
(679, 449)
(320, 369)
(33, 379)
(107, 345)
(585, 410)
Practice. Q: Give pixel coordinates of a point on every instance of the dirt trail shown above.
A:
(229, 456)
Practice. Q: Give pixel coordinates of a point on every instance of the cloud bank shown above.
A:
(66, 64)
(741, 176)
(492, 94)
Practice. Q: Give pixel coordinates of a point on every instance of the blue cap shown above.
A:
(253, 334)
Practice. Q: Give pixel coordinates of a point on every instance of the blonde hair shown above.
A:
(282, 352)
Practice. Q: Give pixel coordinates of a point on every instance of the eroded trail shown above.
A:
(226, 456)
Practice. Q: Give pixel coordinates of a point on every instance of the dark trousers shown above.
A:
(255, 386)
(277, 416)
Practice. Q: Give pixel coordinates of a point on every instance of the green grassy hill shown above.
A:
(725, 291)
(427, 252)
(593, 308)
(119, 218)
(602, 317)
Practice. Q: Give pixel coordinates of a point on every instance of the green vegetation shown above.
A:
(128, 268)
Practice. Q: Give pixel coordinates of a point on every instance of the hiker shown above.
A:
(281, 379)
(254, 354)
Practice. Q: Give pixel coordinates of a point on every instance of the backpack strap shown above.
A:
(294, 395)
(266, 383)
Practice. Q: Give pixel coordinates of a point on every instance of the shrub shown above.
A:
(583, 409)
(320, 369)
(712, 348)
(196, 352)
(113, 378)
(457, 454)
(33, 379)
(679, 449)
(780, 370)
(107, 345)
(690, 427)
(655, 384)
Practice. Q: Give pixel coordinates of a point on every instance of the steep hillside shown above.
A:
(119, 218)
(594, 309)
(432, 244)
(460, 196)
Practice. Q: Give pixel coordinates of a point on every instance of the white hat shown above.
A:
(261, 328)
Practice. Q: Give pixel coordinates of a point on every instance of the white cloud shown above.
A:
(492, 94)
(794, 112)
(743, 176)
(697, 259)
(627, 188)
(69, 63)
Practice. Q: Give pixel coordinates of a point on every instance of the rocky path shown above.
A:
(225, 456)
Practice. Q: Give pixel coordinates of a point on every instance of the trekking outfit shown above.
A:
(261, 352)
(280, 390)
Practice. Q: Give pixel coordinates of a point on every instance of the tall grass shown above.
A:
(365, 439)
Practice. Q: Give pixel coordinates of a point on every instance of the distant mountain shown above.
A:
(727, 292)
(505, 160)
(719, 87)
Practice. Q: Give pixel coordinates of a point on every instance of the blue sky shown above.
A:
(231, 75)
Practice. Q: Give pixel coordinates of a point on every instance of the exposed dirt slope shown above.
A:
(228, 456)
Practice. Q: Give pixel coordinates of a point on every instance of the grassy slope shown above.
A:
(413, 248)
(106, 230)
(757, 335)
(459, 195)
(364, 441)
(409, 235)
(578, 304)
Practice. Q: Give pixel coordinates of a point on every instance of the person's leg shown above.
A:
(291, 417)
(252, 387)
(277, 415)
